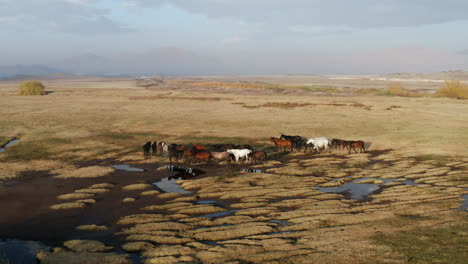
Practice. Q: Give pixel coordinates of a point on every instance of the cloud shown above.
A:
(356, 13)
(65, 16)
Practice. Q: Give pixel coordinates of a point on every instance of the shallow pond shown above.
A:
(170, 186)
(253, 170)
(219, 214)
(14, 251)
(359, 191)
(125, 168)
(280, 222)
(183, 172)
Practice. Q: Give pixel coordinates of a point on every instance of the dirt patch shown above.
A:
(163, 97)
(289, 105)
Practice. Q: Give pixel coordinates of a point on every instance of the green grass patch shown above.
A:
(425, 245)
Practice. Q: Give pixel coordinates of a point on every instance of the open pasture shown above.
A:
(400, 202)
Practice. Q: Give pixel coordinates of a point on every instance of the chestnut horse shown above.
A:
(286, 144)
(359, 144)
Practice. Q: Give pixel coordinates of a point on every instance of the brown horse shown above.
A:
(199, 147)
(220, 156)
(338, 143)
(202, 156)
(258, 156)
(359, 144)
(189, 154)
(286, 144)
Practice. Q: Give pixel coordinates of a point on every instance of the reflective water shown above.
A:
(281, 222)
(14, 251)
(183, 172)
(359, 191)
(125, 168)
(9, 143)
(219, 214)
(253, 170)
(204, 202)
(170, 186)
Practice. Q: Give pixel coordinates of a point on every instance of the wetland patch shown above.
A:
(8, 144)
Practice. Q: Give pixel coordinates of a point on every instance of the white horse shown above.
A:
(239, 153)
(319, 143)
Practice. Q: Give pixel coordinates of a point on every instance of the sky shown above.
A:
(219, 37)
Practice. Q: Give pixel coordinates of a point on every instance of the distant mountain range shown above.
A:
(16, 70)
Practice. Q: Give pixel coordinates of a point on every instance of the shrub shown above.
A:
(32, 88)
(453, 89)
(397, 89)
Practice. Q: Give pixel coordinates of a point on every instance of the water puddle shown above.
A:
(204, 202)
(464, 203)
(183, 172)
(253, 170)
(207, 242)
(408, 182)
(170, 186)
(219, 214)
(14, 251)
(205, 227)
(125, 168)
(358, 191)
(282, 232)
(9, 143)
(281, 222)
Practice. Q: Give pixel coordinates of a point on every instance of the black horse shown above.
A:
(297, 141)
(154, 148)
(146, 148)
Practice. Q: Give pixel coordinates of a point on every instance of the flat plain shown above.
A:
(56, 185)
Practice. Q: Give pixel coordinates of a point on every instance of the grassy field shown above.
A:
(421, 139)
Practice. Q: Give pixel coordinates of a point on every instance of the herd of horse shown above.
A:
(241, 153)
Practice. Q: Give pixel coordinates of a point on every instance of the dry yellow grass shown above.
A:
(64, 206)
(92, 191)
(129, 200)
(70, 196)
(137, 186)
(453, 89)
(86, 172)
(91, 227)
(101, 186)
(86, 246)
(317, 222)
(149, 193)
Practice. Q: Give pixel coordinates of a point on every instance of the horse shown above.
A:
(188, 154)
(198, 147)
(359, 144)
(239, 153)
(245, 146)
(295, 140)
(174, 153)
(146, 148)
(286, 144)
(258, 155)
(338, 143)
(220, 156)
(154, 148)
(203, 155)
(319, 143)
(163, 147)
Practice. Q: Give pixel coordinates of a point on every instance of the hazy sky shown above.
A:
(236, 36)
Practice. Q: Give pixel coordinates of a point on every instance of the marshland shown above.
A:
(74, 183)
